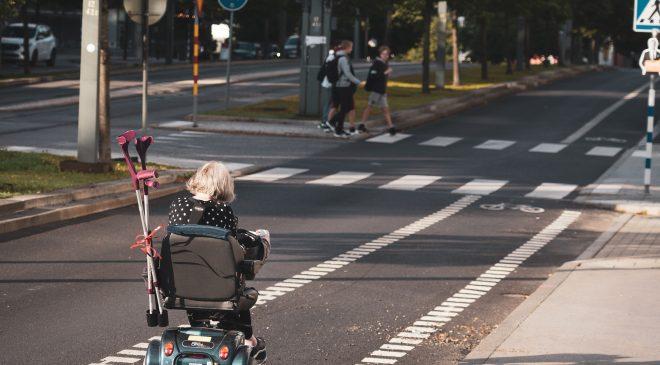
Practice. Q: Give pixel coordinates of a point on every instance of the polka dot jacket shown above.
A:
(215, 213)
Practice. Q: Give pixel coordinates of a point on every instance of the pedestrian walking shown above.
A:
(344, 87)
(377, 87)
(326, 91)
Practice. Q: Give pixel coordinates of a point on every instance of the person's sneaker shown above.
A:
(328, 126)
(352, 131)
(341, 134)
(322, 125)
(258, 352)
(392, 131)
(362, 128)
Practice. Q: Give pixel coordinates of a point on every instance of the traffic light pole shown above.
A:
(228, 78)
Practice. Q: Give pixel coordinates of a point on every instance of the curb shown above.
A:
(101, 202)
(482, 353)
(651, 209)
(408, 118)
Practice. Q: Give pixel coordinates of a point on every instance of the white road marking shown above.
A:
(176, 124)
(132, 352)
(341, 178)
(495, 144)
(410, 182)
(274, 174)
(548, 148)
(551, 191)
(547, 235)
(318, 271)
(601, 116)
(604, 151)
(481, 187)
(607, 188)
(121, 360)
(441, 141)
(387, 138)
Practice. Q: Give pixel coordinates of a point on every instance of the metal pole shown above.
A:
(231, 35)
(649, 134)
(195, 66)
(88, 122)
(145, 61)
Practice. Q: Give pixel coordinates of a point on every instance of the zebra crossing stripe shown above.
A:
(548, 147)
(495, 144)
(604, 151)
(481, 187)
(387, 138)
(341, 178)
(441, 141)
(274, 174)
(551, 191)
(410, 182)
(456, 303)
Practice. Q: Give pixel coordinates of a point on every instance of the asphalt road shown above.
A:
(71, 292)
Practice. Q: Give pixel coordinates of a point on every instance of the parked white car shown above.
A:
(43, 45)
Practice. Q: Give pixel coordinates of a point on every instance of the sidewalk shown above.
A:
(621, 187)
(595, 310)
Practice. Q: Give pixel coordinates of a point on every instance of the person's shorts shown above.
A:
(379, 100)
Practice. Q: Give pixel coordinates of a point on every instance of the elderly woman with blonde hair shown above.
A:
(212, 187)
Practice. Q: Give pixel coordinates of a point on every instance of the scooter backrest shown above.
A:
(200, 263)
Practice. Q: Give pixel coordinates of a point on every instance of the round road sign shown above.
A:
(232, 5)
(156, 10)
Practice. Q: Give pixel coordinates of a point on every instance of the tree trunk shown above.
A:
(427, 47)
(440, 55)
(104, 86)
(281, 24)
(388, 22)
(520, 44)
(528, 66)
(484, 48)
(455, 51)
(26, 40)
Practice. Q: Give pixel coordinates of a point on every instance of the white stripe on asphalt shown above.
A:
(604, 151)
(551, 191)
(410, 182)
(441, 141)
(121, 360)
(274, 174)
(548, 148)
(547, 235)
(341, 178)
(495, 144)
(481, 187)
(317, 272)
(607, 188)
(387, 138)
(601, 116)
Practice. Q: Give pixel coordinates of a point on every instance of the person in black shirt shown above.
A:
(377, 86)
(212, 186)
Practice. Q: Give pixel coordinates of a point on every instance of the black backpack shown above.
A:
(332, 69)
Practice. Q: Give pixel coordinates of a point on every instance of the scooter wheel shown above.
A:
(152, 319)
(163, 319)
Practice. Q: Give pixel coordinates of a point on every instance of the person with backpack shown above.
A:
(345, 84)
(326, 92)
(377, 87)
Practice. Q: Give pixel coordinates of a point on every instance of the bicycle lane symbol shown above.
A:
(521, 207)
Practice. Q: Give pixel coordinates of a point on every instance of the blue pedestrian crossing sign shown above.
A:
(232, 5)
(647, 16)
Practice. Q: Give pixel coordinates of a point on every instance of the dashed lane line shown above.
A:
(318, 271)
(431, 322)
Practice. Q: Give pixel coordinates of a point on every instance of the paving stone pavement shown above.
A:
(639, 237)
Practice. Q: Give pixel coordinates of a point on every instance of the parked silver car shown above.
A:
(43, 45)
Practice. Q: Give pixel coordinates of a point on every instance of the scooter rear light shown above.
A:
(169, 348)
(224, 352)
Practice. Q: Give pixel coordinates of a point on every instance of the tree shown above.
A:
(426, 60)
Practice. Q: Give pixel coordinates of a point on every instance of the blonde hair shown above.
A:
(213, 179)
(346, 44)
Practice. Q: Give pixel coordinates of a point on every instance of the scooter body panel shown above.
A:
(198, 346)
